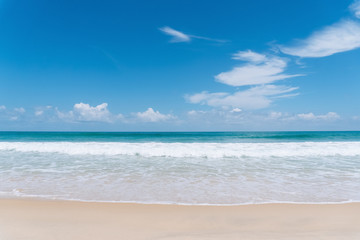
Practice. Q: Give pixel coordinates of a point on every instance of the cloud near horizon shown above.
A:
(270, 116)
(232, 116)
(14, 114)
(20, 110)
(312, 116)
(83, 112)
(253, 98)
(153, 116)
(263, 120)
(40, 111)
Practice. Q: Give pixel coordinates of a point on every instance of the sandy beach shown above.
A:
(38, 220)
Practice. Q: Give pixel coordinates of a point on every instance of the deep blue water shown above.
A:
(181, 136)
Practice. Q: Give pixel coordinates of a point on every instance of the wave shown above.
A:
(202, 150)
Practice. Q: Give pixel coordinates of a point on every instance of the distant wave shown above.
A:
(197, 150)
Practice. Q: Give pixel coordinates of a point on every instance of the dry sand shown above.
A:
(47, 220)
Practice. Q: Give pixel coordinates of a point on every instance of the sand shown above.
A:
(47, 220)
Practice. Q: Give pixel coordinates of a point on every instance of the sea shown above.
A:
(189, 168)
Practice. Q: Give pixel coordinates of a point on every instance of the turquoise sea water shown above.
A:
(181, 136)
(182, 168)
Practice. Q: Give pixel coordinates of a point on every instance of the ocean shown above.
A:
(194, 168)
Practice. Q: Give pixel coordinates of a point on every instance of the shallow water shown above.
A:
(182, 168)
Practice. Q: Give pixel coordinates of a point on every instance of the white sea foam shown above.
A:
(182, 173)
(205, 150)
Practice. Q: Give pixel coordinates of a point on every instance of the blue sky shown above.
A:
(179, 65)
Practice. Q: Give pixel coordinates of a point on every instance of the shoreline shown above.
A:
(37, 198)
(54, 219)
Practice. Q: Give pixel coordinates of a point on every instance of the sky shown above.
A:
(230, 65)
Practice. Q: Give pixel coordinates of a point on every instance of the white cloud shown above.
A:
(311, 116)
(260, 69)
(12, 115)
(249, 56)
(153, 116)
(177, 36)
(303, 116)
(85, 112)
(340, 37)
(88, 113)
(275, 115)
(236, 110)
(19, 110)
(223, 120)
(252, 98)
(194, 113)
(355, 8)
(259, 118)
(39, 112)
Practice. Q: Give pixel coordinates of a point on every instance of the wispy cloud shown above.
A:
(209, 39)
(236, 110)
(260, 69)
(253, 98)
(255, 120)
(150, 115)
(330, 116)
(340, 37)
(14, 114)
(20, 110)
(83, 112)
(178, 36)
(250, 56)
(355, 8)
(312, 116)
(108, 55)
(259, 72)
(40, 111)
